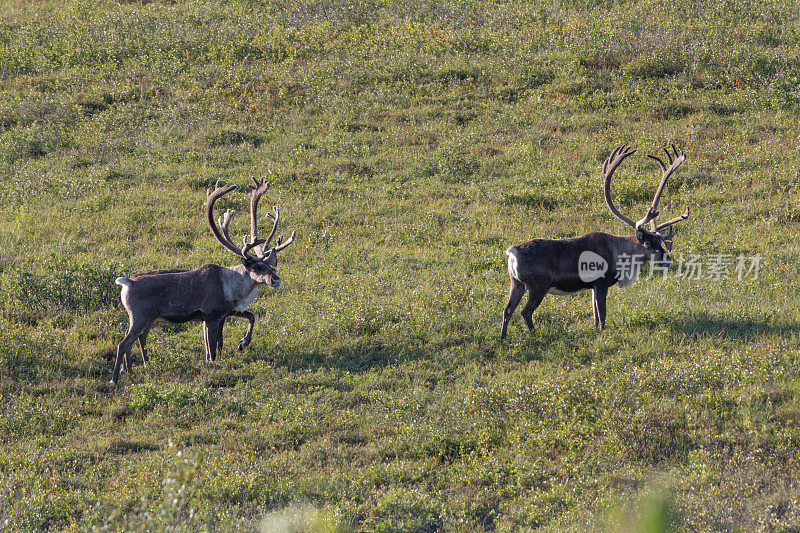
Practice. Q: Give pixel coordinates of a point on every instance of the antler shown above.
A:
(225, 221)
(673, 221)
(675, 159)
(289, 241)
(280, 245)
(609, 166)
(222, 234)
(257, 189)
(275, 218)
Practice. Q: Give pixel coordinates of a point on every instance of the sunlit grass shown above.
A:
(409, 144)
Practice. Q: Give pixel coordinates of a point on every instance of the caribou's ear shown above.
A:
(271, 258)
(639, 235)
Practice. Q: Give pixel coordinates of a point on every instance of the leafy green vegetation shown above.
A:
(409, 143)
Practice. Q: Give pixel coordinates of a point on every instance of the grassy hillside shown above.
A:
(409, 143)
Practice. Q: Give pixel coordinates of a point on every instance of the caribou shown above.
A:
(208, 294)
(596, 260)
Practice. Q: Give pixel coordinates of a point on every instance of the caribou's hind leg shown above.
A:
(123, 359)
(515, 292)
(535, 297)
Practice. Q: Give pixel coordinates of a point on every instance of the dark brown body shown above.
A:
(207, 294)
(165, 293)
(542, 266)
(562, 266)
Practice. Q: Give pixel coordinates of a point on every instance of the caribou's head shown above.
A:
(259, 260)
(658, 243)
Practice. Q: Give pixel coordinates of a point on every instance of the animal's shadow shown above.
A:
(365, 354)
(707, 325)
(576, 341)
(361, 355)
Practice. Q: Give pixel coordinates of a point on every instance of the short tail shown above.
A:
(513, 271)
(125, 282)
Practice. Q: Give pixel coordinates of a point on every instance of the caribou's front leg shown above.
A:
(599, 292)
(212, 328)
(249, 335)
(205, 340)
(210, 339)
(219, 336)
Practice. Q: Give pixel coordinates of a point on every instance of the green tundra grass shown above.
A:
(409, 144)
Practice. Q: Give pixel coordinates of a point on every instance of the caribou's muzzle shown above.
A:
(665, 261)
